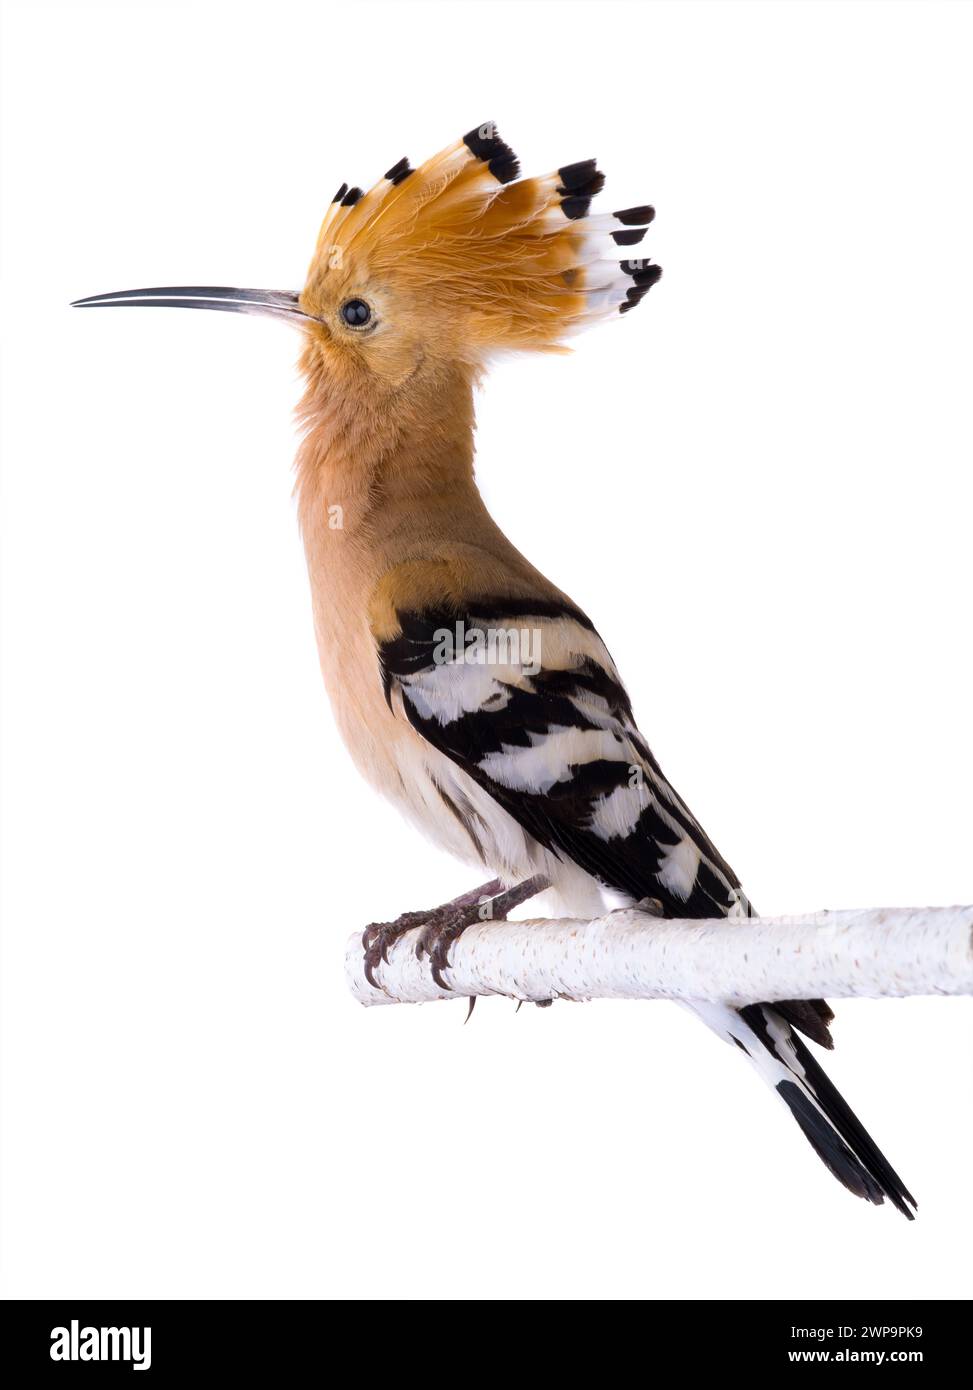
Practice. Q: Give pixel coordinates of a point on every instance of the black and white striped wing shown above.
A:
(526, 699)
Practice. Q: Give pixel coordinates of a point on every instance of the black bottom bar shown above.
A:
(166, 1341)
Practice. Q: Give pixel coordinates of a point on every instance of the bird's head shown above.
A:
(450, 262)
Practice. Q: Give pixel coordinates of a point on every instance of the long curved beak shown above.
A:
(275, 303)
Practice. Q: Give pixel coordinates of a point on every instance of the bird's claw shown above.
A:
(438, 934)
(378, 938)
(440, 926)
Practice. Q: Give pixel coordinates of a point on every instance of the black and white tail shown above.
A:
(828, 1123)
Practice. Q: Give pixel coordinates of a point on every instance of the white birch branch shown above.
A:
(870, 953)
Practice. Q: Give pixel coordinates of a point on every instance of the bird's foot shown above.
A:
(439, 933)
(651, 906)
(378, 938)
(447, 923)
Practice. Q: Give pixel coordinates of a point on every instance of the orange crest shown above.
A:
(466, 258)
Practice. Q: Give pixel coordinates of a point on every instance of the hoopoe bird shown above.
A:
(526, 764)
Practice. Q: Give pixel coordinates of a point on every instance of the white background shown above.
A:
(759, 487)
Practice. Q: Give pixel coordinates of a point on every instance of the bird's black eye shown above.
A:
(355, 313)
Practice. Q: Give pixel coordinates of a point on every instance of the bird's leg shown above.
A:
(378, 938)
(443, 927)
